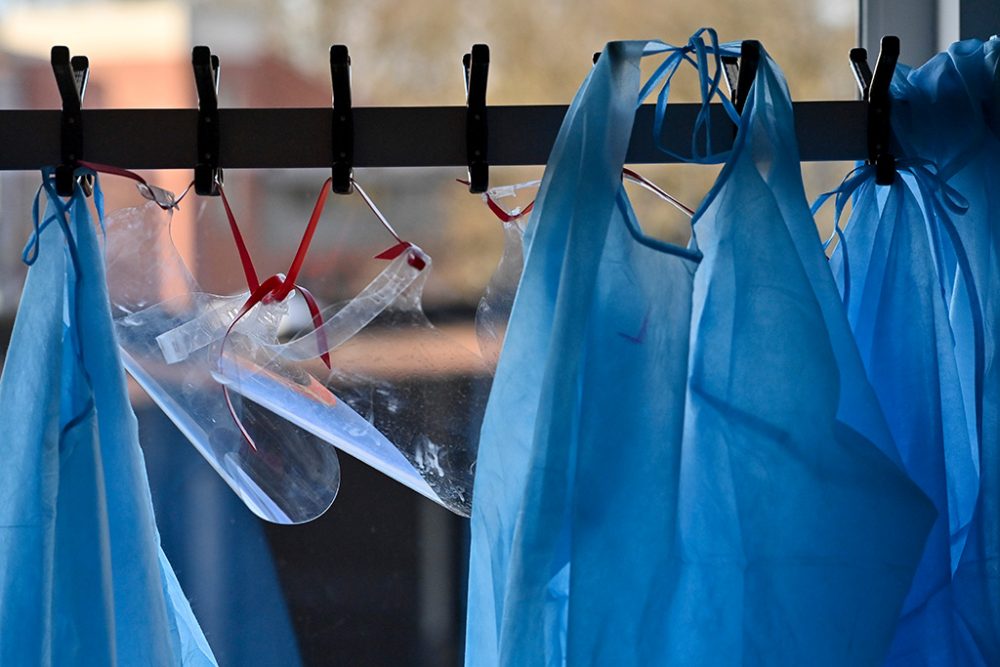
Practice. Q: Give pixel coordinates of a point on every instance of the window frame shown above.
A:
(925, 27)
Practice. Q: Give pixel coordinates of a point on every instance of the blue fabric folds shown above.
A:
(82, 578)
(918, 268)
(889, 268)
(682, 460)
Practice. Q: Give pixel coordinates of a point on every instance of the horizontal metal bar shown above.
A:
(384, 136)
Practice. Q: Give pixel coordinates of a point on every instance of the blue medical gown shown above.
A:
(590, 380)
(900, 319)
(800, 533)
(82, 578)
(683, 462)
(947, 112)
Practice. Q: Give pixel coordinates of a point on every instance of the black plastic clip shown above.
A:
(731, 70)
(749, 61)
(207, 174)
(71, 75)
(343, 121)
(862, 72)
(477, 67)
(879, 112)
(874, 89)
(740, 73)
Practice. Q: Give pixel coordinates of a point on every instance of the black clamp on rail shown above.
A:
(874, 89)
(749, 61)
(207, 174)
(343, 121)
(862, 72)
(740, 72)
(477, 68)
(71, 75)
(731, 70)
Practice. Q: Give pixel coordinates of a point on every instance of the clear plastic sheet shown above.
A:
(494, 308)
(399, 395)
(498, 298)
(166, 328)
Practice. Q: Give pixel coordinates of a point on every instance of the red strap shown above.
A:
(504, 215)
(300, 254)
(395, 251)
(118, 171)
(279, 287)
(653, 187)
(500, 211)
(248, 269)
(256, 296)
(276, 287)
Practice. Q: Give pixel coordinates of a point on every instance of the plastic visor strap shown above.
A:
(282, 288)
(502, 214)
(249, 272)
(278, 286)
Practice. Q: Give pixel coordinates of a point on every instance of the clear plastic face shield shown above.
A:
(372, 377)
(494, 308)
(293, 475)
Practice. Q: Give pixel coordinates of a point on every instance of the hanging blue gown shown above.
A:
(801, 533)
(82, 578)
(947, 112)
(889, 276)
(682, 462)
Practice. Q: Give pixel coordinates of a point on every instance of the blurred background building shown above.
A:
(380, 578)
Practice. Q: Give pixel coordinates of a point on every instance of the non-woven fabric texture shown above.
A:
(83, 580)
(946, 115)
(682, 461)
(888, 275)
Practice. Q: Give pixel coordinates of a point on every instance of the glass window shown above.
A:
(380, 578)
